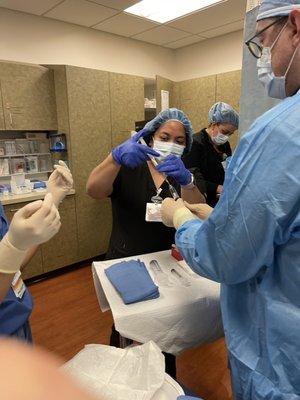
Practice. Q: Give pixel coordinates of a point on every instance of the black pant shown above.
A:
(169, 358)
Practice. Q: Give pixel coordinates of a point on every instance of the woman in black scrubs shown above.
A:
(210, 149)
(130, 179)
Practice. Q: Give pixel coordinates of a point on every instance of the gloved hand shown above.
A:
(202, 211)
(131, 153)
(174, 167)
(174, 213)
(60, 182)
(34, 224)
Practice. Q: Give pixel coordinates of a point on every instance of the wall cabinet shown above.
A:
(90, 135)
(28, 97)
(196, 98)
(127, 105)
(62, 250)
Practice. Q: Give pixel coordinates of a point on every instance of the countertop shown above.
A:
(22, 198)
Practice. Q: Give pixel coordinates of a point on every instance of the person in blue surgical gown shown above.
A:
(250, 242)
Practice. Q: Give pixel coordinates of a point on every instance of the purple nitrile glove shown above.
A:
(174, 167)
(131, 153)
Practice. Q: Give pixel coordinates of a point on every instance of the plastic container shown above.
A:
(58, 142)
(45, 163)
(31, 164)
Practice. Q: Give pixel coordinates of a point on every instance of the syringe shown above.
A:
(155, 162)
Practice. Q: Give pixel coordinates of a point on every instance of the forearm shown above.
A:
(101, 179)
(192, 196)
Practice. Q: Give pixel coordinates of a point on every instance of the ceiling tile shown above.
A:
(81, 12)
(212, 17)
(37, 7)
(117, 4)
(222, 30)
(125, 25)
(161, 35)
(184, 42)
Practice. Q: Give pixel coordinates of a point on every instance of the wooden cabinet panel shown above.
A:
(229, 90)
(35, 266)
(127, 105)
(196, 98)
(62, 249)
(166, 84)
(90, 136)
(2, 124)
(28, 97)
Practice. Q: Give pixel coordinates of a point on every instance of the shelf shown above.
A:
(25, 155)
(26, 173)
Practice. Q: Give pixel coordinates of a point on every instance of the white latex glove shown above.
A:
(174, 213)
(202, 211)
(34, 224)
(60, 182)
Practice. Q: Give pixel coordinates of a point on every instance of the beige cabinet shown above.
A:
(90, 142)
(127, 105)
(28, 97)
(228, 89)
(2, 123)
(171, 87)
(196, 98)
(62, 249)
(35, 266)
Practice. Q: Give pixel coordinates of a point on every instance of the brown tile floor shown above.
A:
(66, 316)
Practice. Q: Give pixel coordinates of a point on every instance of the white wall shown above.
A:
(33, 39)
(213, 56)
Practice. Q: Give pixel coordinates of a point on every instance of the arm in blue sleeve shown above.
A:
(253, 216)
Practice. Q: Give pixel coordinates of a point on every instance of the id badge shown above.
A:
(18, 286)
(153, 212)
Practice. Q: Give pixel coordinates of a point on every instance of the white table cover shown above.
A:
(181, 318)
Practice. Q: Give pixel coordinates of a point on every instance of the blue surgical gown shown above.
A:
(14, 312)
(251, 245)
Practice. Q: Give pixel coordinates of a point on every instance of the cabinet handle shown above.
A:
(11, 118)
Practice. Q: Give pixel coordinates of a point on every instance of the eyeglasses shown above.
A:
(255, 48)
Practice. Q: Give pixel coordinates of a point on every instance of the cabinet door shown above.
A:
(28, 97)
(2, 123)
(171, 87)
(35, 265)
(62, 249)
(90, 139)
(196, 98)
(127, 105)
(229, 91)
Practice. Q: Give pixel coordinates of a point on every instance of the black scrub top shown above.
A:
(208, 161)
(131, 234)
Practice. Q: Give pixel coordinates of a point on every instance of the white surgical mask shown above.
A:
(167, 148)
(220, 139)
(274, 85)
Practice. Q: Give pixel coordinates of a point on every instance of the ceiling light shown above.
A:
(167, 10)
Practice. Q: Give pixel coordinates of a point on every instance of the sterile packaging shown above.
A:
(134, 373)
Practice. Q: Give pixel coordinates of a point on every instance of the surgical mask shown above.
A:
(167, 148)
(220, 139)
(274, 85)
